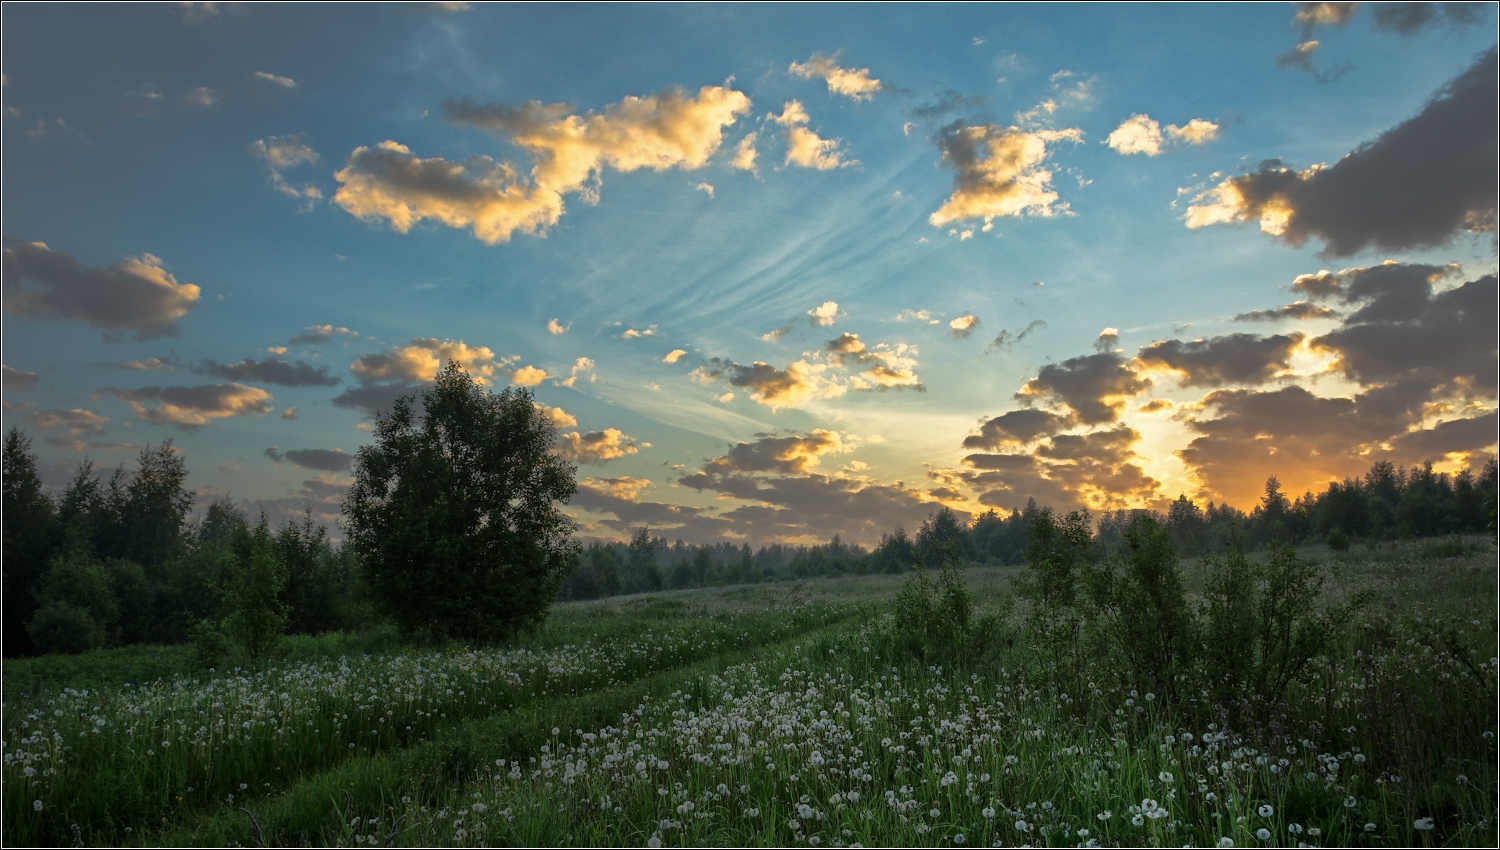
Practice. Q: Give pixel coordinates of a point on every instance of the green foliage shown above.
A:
(1139, 610)
(31, 532)
(454, 515)
(935, 621)
(77, 605)
(255, 613)
(1057, 552)
(1337, 540)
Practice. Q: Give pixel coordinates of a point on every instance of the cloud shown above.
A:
(201, 97)
(632, 333)
(323, 495)
(892, 365)
(420, 361)
(321, 460)
(787, 455)
(674, 355)
(144, 102)
(319, 334)
(1008, 340)
(557, 328)
(1404, 330)
(825, 314)
(16, 379)
(202, 13)
(150, 364)
(276, 80)
(569, 153)
(289, 414)
(964, 325)
(1017, 428)
(132, 294)
(803, 146)
(558, 417)
(528, 376)
(280, 153)
(77, 422)
(192, 407)
(1411, 18)
(847, 345)
(1310, 15)
(1142, 134)
(1294, 310)
(775, 388)
(621, 497)
(581, 365)
(778, 334)
(1417, 185)
(596, 448)
(1234, 359)
(917, 316)
(1094, 386)
(706, 187)
(1097, 470)
(744, 154)
(946, 101)
(270, 371)
(1000, 171)
(856, 84)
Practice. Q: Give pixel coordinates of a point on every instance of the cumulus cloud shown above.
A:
(150, 364)
(596, 448)
(1310, 15)
(556, 416)
(77, 422)
(853, 83)
(1234, 359)
(1094, 386)
(1418, 185)
(282, 153)
(132, 294)
(1017, 428)
(270, 371)
(775, 388)
(744, 154)
(674, 355)
(276, 80)
(322, 494)
(388, 375)
(922, 316)
(1096, 470)
(633, 333)
(569, 153)
(17, 379)
(1142, 134)
(580, 366)
(964, 325)
(1000, 171)
(192, 407)
(787, 454)
(778, 334)
(706, 188)
(892, 366)
(528, 376)
(825, 314)
(803, 146)
(557, 328)
(1294, 310)
(201, 97)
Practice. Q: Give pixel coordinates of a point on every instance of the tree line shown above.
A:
(455, 533)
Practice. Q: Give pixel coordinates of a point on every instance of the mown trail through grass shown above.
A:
(117, 762)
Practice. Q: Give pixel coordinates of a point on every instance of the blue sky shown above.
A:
(1097, 174)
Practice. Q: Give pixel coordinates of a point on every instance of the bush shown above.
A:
(79, 600)
(1338, 541)
(935, 622)
(252, 592)
(62, 627)
(1056, 554)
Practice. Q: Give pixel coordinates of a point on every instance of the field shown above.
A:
(779, 714)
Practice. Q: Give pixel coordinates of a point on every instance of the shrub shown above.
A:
(62, 627)
(935, 620)
(1338, 541)
(1056, 554)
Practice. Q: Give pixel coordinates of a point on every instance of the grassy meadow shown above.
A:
(777, 714)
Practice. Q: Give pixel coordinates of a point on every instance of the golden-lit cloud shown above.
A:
(528, 376)
(1232, 359)
(804, 147)
(1094, 387)
(569, 153)
(674, 355)
(77, 421)
(964, 325)
(423, 358)
(789, 454)
(1098, 470)
(556, 416)
(580, 366)
(1142, 134)
(557, 328)
(319, 334)
(744, 154)
(191, 407)
(775, 388)
(1000, 171)
(595, 448)
(825, 314)
(850, 82)
(1419, 184)
(132, 294)
(1311, 15)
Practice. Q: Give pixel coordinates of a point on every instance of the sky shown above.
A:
(775, 273)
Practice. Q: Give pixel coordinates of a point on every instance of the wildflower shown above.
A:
(1021, 825)
(1105, 815)
(1226, 841)
(36, 805)
(1265, 810)
(1314, 831)
(1263, 834)
(1166, 777)
(1423, 824)
(1463, 780)
(654, 841)
(1369, 827)
(1150, 696)
(987, 812)
(1137, 820)
(1359, 758)
(934, 813)
(852, 796)
(1294, 828)
(959, 838)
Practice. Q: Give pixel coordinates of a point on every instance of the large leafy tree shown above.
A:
(30, 526)
(455, 514)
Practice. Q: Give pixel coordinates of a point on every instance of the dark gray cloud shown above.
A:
(1418, 185)
(945, 102)
(1469, 436)
(320, 460)
(1008, 340)
(1233, 359)
(375, 399)
(1095, 386)
(17, 380)
(1016, 428)
(1067, 471)
(770, 453)
(1295, 310)
(133, 294)
(192, 407)
(271, 371)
